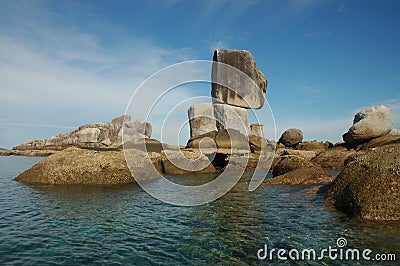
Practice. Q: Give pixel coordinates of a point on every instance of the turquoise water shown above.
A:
(122, 225)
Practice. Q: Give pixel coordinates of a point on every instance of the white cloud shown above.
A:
(218, 44)
(57, 76)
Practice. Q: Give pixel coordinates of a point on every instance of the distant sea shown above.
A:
(122, 225)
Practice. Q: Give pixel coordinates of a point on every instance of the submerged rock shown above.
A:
(79, 166)
(369, 186)
(291, 162)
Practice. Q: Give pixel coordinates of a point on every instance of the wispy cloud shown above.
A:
(299, 6)
(342, 8)
(218, 44)
(53, 74)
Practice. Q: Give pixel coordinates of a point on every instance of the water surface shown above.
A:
(120, 225)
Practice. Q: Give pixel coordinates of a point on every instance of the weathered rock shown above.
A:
(258, 143)
(82, 166)
(231, 138)
(369, 186)
(368, 124)
(252, 161)
(394, 132)
(120, 119)
(148, 145)
(30, 153)
(129, 135)
(301, 176)
(207, 140)
(308, 155)
(201, 119)
(53, 141)
(379, 142)
(186, 162)
(140, 126)
(97, 135)
(256, 130)
(317, 147)
(106, 142)
(320, 189)
(291, 137)
(231, 117)
(88, 135)
(334, 158)
(289, 163)
(250, 94)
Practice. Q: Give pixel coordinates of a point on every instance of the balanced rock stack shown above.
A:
(225, 121)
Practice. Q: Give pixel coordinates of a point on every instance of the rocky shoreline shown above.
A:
(368, 160)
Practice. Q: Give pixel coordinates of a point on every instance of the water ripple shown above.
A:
(120, 225)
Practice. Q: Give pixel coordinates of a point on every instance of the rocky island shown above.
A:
(367, 161)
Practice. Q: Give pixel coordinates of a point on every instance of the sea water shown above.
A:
(123, 225)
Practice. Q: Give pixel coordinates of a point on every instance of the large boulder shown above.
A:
(88, 135)
(289, 163)
(291, 137)
(84, 166)
(369, 186)
(259, 143)
(334, 158)
(379, 142)
(148, 145)
(206, 140)
(308, 155)
(186, 162)
(129, 135)
(251, 94)
(370, 123)
(301, 176)
(257, 130)
(121, 119)
(231, 117)
(315, 146)
(394, 132)
(201, 119)
(251, 161)
(141, 126)
(231, 139)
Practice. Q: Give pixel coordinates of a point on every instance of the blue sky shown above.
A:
(67, 63)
